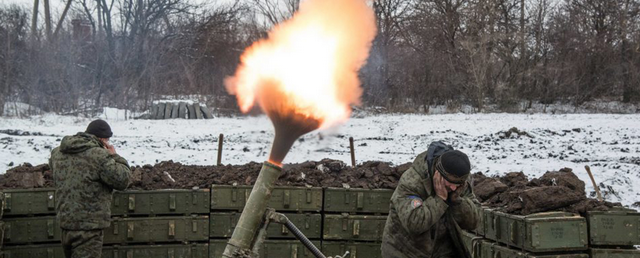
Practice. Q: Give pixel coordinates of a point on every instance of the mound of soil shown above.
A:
(555, 191)
(173, 175)
(27, 176)
(512, 193)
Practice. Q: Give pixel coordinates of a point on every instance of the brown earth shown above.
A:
(555, 191)
(512, 193)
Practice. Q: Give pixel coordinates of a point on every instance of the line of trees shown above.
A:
(127, 53)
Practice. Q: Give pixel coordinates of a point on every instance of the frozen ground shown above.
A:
(610, 144)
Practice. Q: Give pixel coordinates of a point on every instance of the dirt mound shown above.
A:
(27, 176)
(173, 175)
(554, 191)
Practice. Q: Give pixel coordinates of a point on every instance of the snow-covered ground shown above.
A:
(610, 144)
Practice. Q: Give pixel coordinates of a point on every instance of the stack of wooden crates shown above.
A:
(601, 234)
(197, 223)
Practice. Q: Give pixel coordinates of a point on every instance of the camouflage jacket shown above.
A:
(85, 175)
(421, 224)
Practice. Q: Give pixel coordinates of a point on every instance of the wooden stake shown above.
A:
(593, 181)
(353, 154)
(220, 140)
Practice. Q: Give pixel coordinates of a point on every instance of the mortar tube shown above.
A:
(253, 213)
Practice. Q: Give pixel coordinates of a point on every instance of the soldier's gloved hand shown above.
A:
(455, 196)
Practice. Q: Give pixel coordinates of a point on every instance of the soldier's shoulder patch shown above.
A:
(415, 201)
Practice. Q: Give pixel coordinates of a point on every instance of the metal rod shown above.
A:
(353, 154)
(305, 241)
(593, 181)
(220, 140)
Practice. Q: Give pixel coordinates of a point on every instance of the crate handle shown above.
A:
(132, 202)
(234, 194)
(7, 202)
(360, 200)
(51, 203)
(345, 223)
(171, 253)
(130, 229)
(194, 226)
(308, 195)
(287, 198)
(284, 230)
(172, 229)
(347, 194)
(50, 253)
(354, 254)
(172, 202)
(294, 252)
(512, 231)
(496, 224)
(7, 232)
(356, 228)
(50, 228)
(194, 198)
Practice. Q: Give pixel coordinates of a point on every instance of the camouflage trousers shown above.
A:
(82, 243)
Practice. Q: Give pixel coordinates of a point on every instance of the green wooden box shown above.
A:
(33, 251)
(157, 230)
(355, 249)
(353, 227)
(616, 227)
(271, 248)
(540, 232)
(160, 202)
(223, 224)
(157, 251)
(355, 200)
(614, 253)
(500, 251)
(21, 202)
(31, 230)
(233, 198)
(471, 243)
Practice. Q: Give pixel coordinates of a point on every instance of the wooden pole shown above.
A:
(593, 181)
(353, 154)
(220, 140)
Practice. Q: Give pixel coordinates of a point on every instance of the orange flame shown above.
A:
(308, 66)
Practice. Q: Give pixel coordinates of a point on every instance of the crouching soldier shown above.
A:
(86, 170)
(430, 205)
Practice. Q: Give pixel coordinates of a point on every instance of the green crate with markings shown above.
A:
(223, 224)
(157, 230)
(270, 248)
(353, 227)
(31, 230)
(28, 202)
(471, 243)
(540, 232)
(293, 199)
(614, 253)
(33, 251)
(157, 251)
(357, 200)
(507, 252)
(616, 227)
(160, 202)
(355, 249)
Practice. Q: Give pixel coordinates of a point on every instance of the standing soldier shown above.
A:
(431, 204)
(86, 170)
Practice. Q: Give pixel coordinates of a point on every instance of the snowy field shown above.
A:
(609, 143)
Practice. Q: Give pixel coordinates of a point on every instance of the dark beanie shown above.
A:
(99, 128)
(456, 163)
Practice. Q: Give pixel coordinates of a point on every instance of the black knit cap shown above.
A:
(456, 164)
(99, 128)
